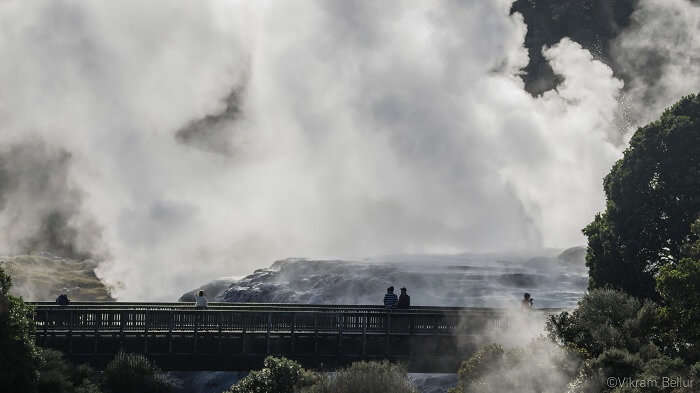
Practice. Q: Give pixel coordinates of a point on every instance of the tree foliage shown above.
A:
(57, 375)
(539, 366)
(134, 373)
(365, 377)
(19, 357)
(606, 319)
(653, 196)
(619, 336)
(679, 287)
(279, 375)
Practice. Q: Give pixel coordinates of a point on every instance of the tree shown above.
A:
(653, 195)
(679, 287)
(19, 356)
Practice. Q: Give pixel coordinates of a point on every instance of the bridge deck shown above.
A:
(237, 336)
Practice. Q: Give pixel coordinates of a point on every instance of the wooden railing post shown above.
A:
(98, 324)
(122, 321)
(339, 339)
(219, 317)
(364, 335)
(171, 322)
(146, 316)
(293, 335)
(316, 358)
(267, 336)
(196, 329)
(70, 332)
(387, 344)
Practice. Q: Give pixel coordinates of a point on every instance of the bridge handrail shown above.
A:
(131, 317)
(286, 306)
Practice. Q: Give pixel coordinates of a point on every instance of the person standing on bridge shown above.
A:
(527, 302)
(390, 298)
(62, 300)
(201, 300)
(404, 299)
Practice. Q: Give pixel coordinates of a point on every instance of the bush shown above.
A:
(57, 375)
(620, 337)
(365, 377)
(134, 373)
(540, 366)
(480, 363)
(280, 375)
(19, 356)
(606, 319)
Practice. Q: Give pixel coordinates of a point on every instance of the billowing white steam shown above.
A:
(209, 137)
(660, 52)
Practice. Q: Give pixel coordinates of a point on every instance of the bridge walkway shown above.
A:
(238, 336)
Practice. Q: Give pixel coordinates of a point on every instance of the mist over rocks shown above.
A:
(41, 208)
(43, 276)
(461, 280)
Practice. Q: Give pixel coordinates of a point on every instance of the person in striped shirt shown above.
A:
(390, 298)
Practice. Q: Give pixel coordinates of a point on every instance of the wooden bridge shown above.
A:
(238, 336)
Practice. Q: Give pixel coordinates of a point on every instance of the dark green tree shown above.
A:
(653, 195)
(679, 287)
(19, 357)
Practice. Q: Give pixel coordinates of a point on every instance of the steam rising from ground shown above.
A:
(660, 54)
(210, 137)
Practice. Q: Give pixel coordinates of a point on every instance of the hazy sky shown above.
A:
(207, 138)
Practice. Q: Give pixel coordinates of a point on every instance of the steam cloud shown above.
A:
(660, 53)
(210, 137)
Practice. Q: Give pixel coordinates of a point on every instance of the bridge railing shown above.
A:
(240, 318)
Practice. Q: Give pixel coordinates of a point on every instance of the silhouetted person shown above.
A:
(527, 301)
(201, 300)
(404, 299)
(62, 300)
(390, 298)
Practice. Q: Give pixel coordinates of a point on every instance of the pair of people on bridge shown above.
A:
(392, 301)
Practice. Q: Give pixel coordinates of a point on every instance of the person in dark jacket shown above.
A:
(390, 298)
(526, 303)
(62, 300)
(404, 300)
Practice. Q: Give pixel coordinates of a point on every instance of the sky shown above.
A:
(181, 141)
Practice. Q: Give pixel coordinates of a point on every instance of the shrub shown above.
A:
(365, 377)
(19, 356)
(540, 366)
(134, 373)
(57, 375)
(606, 319)
(280, 375)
